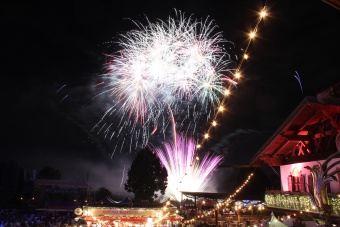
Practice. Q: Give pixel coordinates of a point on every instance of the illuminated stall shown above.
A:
(128, 216)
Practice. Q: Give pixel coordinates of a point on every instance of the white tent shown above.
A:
(272, 221)
(309, 222)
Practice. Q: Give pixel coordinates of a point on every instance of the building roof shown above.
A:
(308, 134)
(333, 3)
(207, 195)
(272, 221)
(62, 183)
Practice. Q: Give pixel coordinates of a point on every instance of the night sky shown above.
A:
(52, 54)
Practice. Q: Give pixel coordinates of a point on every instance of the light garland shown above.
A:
(237, 77)
(219, 205)
(221, 108)
(227, 201)
(301, 203)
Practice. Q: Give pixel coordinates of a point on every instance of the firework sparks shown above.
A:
(297, 76)
(121, 183)
(178, 64)
(61, 88)
(63, 99)
(165, 62)
(177, 159)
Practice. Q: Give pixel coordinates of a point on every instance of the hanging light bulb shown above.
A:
(226, 92)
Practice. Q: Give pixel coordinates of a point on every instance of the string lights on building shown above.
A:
(226, 202)
(298, 202)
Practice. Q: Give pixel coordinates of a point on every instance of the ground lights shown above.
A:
(227, 201)
(219, 205)
(127, 216)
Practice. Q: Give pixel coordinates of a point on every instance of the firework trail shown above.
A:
(60, 88)
(177, 159)
(179, 63)
(121, 183)
(297, 76)
(64, 96)
(63, 99)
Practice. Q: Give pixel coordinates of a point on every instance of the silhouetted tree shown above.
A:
(146, 176)
(49, 173)
(102, 193)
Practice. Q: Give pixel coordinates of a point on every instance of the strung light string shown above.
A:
(237, 77)
(227, 201)
(227, 92)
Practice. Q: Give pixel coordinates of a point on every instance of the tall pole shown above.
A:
(216, 217)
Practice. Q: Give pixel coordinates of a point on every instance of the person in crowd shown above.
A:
(17, 218)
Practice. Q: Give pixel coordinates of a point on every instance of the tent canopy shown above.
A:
(272, 221)
(126, 201)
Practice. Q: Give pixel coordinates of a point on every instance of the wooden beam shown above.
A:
(280, 146)
(234, 166)
(306, 158)
(297, 137)
(333, 122)
(311, 115)
(272, 161)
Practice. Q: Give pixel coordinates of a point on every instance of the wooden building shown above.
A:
(308, 136)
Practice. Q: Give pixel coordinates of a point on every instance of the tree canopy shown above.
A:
(146, 176)
(102, 193)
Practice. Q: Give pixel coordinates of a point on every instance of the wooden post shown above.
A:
(216, 217)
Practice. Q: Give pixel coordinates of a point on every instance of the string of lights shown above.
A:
(302, 203)
(221, 108)
(227, 201)
(237, 76)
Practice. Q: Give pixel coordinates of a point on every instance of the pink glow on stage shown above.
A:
(298, 170)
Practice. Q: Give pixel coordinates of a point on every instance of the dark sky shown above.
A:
(48, 45)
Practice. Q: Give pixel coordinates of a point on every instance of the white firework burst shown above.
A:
(175, 64)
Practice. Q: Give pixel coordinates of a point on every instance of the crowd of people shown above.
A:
(20, 218)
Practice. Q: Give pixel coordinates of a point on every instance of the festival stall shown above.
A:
(117, 216)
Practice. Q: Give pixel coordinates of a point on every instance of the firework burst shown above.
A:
(176, 64)
(183, 175)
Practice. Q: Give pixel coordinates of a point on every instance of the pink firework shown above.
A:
(184, 174)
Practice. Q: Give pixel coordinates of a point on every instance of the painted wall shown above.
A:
(298, 168)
